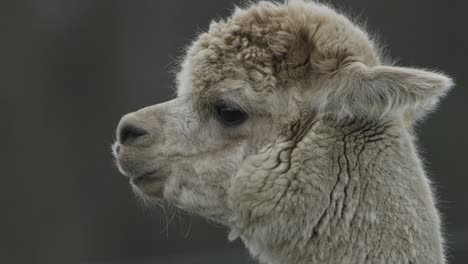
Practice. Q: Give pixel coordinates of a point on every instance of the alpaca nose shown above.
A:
(130, 133)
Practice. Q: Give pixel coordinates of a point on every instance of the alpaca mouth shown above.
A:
(152, 177)
(146, 177)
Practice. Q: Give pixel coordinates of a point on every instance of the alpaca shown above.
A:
(290, 129)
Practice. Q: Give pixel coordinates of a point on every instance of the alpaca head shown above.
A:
(249, 90)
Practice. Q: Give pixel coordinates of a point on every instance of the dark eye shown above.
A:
(230, 116)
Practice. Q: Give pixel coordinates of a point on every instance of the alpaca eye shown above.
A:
(230, 116)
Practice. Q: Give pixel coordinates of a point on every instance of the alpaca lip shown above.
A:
(145, 177)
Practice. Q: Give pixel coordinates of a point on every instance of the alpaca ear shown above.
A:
(358, 90)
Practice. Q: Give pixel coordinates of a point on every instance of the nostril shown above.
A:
(129, 133)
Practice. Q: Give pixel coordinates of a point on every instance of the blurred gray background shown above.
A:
(70, 68)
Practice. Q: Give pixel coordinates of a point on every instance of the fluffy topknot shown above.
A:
(305, 44)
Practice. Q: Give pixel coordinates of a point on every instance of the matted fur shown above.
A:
(324, 170)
